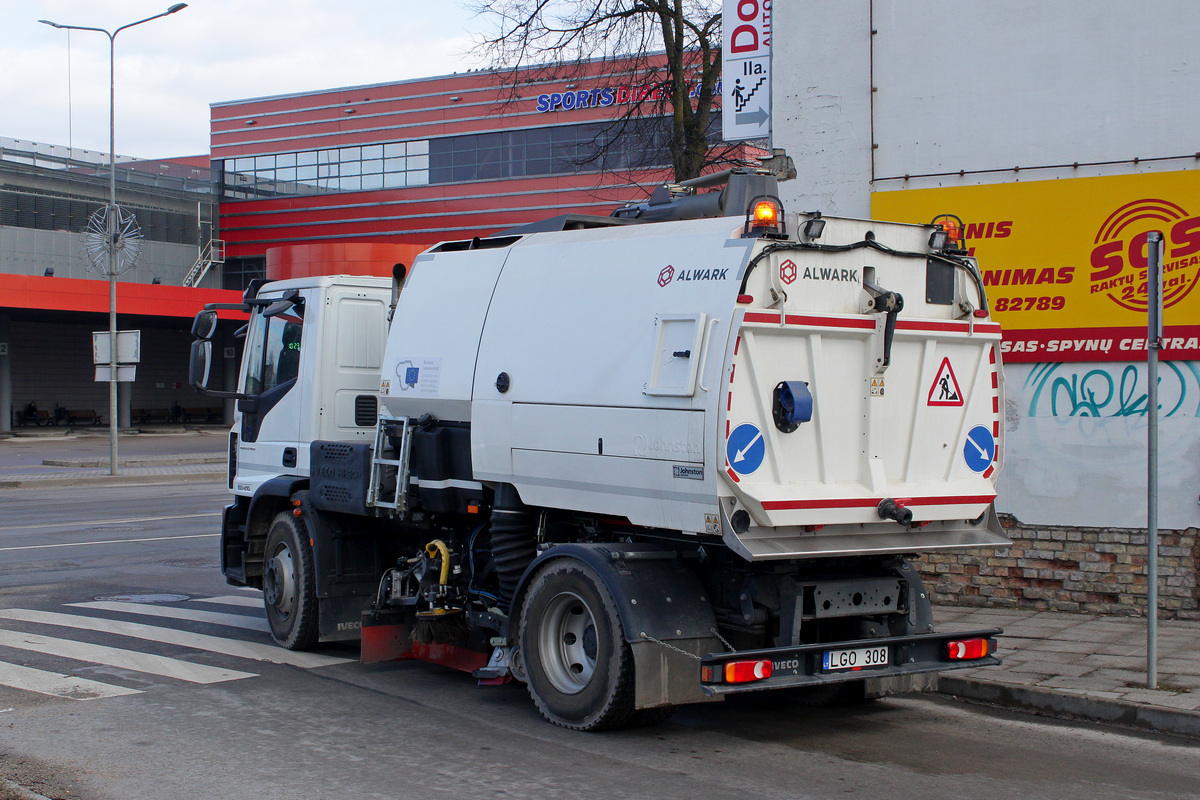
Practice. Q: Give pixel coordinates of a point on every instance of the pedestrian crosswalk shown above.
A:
(174, 612)
(51, 635)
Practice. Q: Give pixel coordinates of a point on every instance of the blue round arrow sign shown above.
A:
(980, 448)
(745, 448)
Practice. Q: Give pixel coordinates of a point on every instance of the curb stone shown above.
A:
(1073, 706)
(111, 480)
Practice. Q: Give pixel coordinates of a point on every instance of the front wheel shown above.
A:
(289, 584)
(578, 665)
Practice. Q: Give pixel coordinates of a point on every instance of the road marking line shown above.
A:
(197, 641)
(124, 659)
(52, 683)
(109, 541)
(92, 522)
(240, 600)
(188, 614)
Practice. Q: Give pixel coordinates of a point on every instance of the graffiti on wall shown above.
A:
(1111, 390)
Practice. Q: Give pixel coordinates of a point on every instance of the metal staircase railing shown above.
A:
(213, 253)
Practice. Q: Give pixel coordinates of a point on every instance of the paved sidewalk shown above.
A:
(1082, 665)
(60, 457)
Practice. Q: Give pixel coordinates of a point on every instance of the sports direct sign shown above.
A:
(603, 97)
(1064, 262)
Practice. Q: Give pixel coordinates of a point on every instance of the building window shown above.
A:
(236, 273)
(565, 149)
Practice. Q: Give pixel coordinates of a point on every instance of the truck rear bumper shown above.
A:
(805, 665)
(875, 538)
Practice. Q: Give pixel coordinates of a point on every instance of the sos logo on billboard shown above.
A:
(1119, 258)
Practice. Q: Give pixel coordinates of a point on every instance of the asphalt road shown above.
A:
(144, 708)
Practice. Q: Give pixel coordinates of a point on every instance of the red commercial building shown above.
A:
(422, 161)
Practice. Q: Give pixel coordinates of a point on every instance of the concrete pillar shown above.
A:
(6, 399)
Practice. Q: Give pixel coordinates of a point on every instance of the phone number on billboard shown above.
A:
(1029, 303)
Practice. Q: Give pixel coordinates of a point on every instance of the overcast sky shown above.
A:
(170, 69)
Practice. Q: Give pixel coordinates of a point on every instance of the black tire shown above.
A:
(578, 666)
(289, 584)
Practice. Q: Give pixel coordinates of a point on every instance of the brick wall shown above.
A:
(1091, 570)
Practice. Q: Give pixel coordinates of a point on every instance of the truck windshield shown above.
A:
(273, 357)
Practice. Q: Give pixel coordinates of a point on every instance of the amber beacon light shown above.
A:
(765, 217)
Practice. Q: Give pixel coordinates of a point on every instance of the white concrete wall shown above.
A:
(1075, 444)
(821, 95)
(977, 85)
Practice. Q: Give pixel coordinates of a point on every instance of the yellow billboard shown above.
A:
(1064, 261)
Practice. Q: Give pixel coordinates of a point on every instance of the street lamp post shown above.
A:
(113, 214)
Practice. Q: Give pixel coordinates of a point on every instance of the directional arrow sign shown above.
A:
(745, 449)
(979, 449)
(756, 118)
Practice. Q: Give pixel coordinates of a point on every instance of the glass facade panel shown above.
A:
(562, 150)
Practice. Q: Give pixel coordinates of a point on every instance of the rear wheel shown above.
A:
(289, 585)
(578, 665)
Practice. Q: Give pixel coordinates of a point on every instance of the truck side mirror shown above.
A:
(200, 362)
(204, 325)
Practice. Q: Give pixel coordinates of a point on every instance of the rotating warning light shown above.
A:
(967, 649)
(765, 213)
(747, 671)
(948, 234)
(764, 217)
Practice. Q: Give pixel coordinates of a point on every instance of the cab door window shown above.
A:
(274, 352)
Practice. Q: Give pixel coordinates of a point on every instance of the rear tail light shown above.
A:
(746, 671)
(967, 649)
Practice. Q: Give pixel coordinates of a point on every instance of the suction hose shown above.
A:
(514, 544)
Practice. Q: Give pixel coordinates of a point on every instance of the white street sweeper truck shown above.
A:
(633, 461)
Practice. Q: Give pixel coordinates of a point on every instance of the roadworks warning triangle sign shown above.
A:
(945, 391)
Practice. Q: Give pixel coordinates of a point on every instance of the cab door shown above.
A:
(270, 416)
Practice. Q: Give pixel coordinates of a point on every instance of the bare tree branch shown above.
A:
(667, 51)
